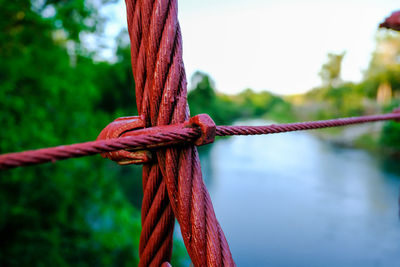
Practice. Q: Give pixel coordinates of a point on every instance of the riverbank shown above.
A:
(366, 136)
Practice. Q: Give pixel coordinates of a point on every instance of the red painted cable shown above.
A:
(172, 136)
(173, 184)
(155, 246)
(299, 126)
(162, 94)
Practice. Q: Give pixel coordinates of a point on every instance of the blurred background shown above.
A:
(319, 198)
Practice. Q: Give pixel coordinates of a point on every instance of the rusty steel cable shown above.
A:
(172, 136)
(172, 181)
(155, 245)
(161, 89)
(300, 126)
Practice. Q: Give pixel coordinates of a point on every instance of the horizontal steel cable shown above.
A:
(140, 142)
(300, 126)
(170, 137)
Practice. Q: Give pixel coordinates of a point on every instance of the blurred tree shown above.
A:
(203, 85)
(379, 91)
(383, 73)
(382, 80)
(225, 109)
(202, 98)
(390, 137)
(115, 81)
(331, 70)
(72, 212)
(386, 55)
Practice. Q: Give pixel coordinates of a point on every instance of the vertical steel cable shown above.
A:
(161, 98)
(157, 216)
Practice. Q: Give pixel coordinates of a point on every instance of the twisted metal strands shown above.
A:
(176, 136)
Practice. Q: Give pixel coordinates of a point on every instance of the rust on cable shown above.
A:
(171, 135)
(163, 138)
(172, 183)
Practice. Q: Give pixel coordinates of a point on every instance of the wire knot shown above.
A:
(116, 129)
(134, 126)
(207, 127)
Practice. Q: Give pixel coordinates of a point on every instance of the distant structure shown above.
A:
(392, 22)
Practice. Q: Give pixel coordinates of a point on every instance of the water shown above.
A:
(293, 200)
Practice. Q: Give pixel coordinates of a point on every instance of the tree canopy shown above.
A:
(331, 70)
(52, 92)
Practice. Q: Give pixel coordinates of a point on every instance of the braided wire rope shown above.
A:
(155, 246)
(172, 184)
(162, 100)
(170, 137)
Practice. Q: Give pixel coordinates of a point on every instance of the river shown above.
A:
(293, 200)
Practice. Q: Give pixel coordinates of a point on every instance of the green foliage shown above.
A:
(80, 212)
(115, 82)
(338, 99)
(346, 100)
(391, 136)
(384, 66)
(203, 99)
(386, 55)
(330, 71)
(76, 212)
(225, 109)
(52, 217)
(263, 104)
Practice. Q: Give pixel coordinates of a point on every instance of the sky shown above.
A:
(274, 45)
